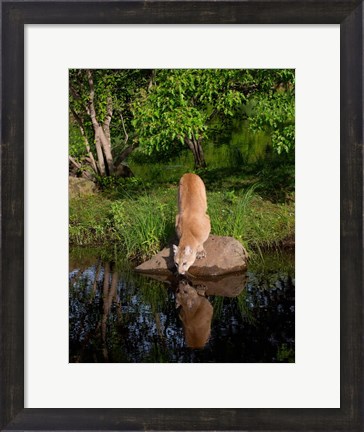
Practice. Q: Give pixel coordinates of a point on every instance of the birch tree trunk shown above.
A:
(100, 155)
(100, 158)
(101, 140)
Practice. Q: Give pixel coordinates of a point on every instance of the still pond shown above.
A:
(119, 316)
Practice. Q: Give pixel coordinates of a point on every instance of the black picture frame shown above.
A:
(14, 15)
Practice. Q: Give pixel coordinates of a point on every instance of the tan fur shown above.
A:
(192, 222)
(196, 315)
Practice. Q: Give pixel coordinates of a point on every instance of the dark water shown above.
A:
(116, 315)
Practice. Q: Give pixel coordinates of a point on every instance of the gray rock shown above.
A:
(79, 186)
(223, 255)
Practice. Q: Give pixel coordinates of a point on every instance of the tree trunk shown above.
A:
(84, 136)
(100, 155)
(196, 148)
(106, 148)
(106, 142)
(100, 136)
(104, 164)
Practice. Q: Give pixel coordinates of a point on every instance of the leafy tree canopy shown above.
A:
(165, 110)
(110, 85)
(182, 105)
(99, 102)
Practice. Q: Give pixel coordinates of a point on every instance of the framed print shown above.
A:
(160, 345)
(145, 25)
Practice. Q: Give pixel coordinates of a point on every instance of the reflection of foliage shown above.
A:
(223, 304)
(218, 305)
(155, 294)
(285, 354)
(246, 312)
(139, 322)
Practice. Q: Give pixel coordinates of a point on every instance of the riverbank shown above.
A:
(142, 222)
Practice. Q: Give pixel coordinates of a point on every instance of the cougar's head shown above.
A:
(184, 257)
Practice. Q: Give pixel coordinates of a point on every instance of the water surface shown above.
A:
(117, 315)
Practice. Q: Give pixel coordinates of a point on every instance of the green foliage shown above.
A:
(285, 354)
(180, 105)
(137, 214)
(277, 178)
(163, 110)
(183, 104)
(122, 185)
(275, 112)
(88, 221)
(115, 86)
(76, 143)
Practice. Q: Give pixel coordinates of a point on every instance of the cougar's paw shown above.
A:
(201, 290)
(201, 254)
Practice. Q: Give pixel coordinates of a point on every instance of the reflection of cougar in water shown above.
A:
(192, 222)
(196, 315)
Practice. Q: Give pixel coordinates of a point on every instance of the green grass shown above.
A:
(140, 222)
(257, 223)
(143, 225)
(88, 220)
(229, 212)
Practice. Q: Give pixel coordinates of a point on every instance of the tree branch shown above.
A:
(109, 109)
(85, 174)
(73, 162)
(125, 153)
(91, 105)
(74, 92)
(152, 79)
(125, 133)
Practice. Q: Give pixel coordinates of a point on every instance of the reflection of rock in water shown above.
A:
(196, 311)
(230, 285)
(224, 286)
(118, 316)
(196, 315)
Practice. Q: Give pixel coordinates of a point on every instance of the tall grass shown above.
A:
(229, 211)
(255, 222)
(143, 225)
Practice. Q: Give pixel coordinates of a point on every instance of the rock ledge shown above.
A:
(223, 255)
